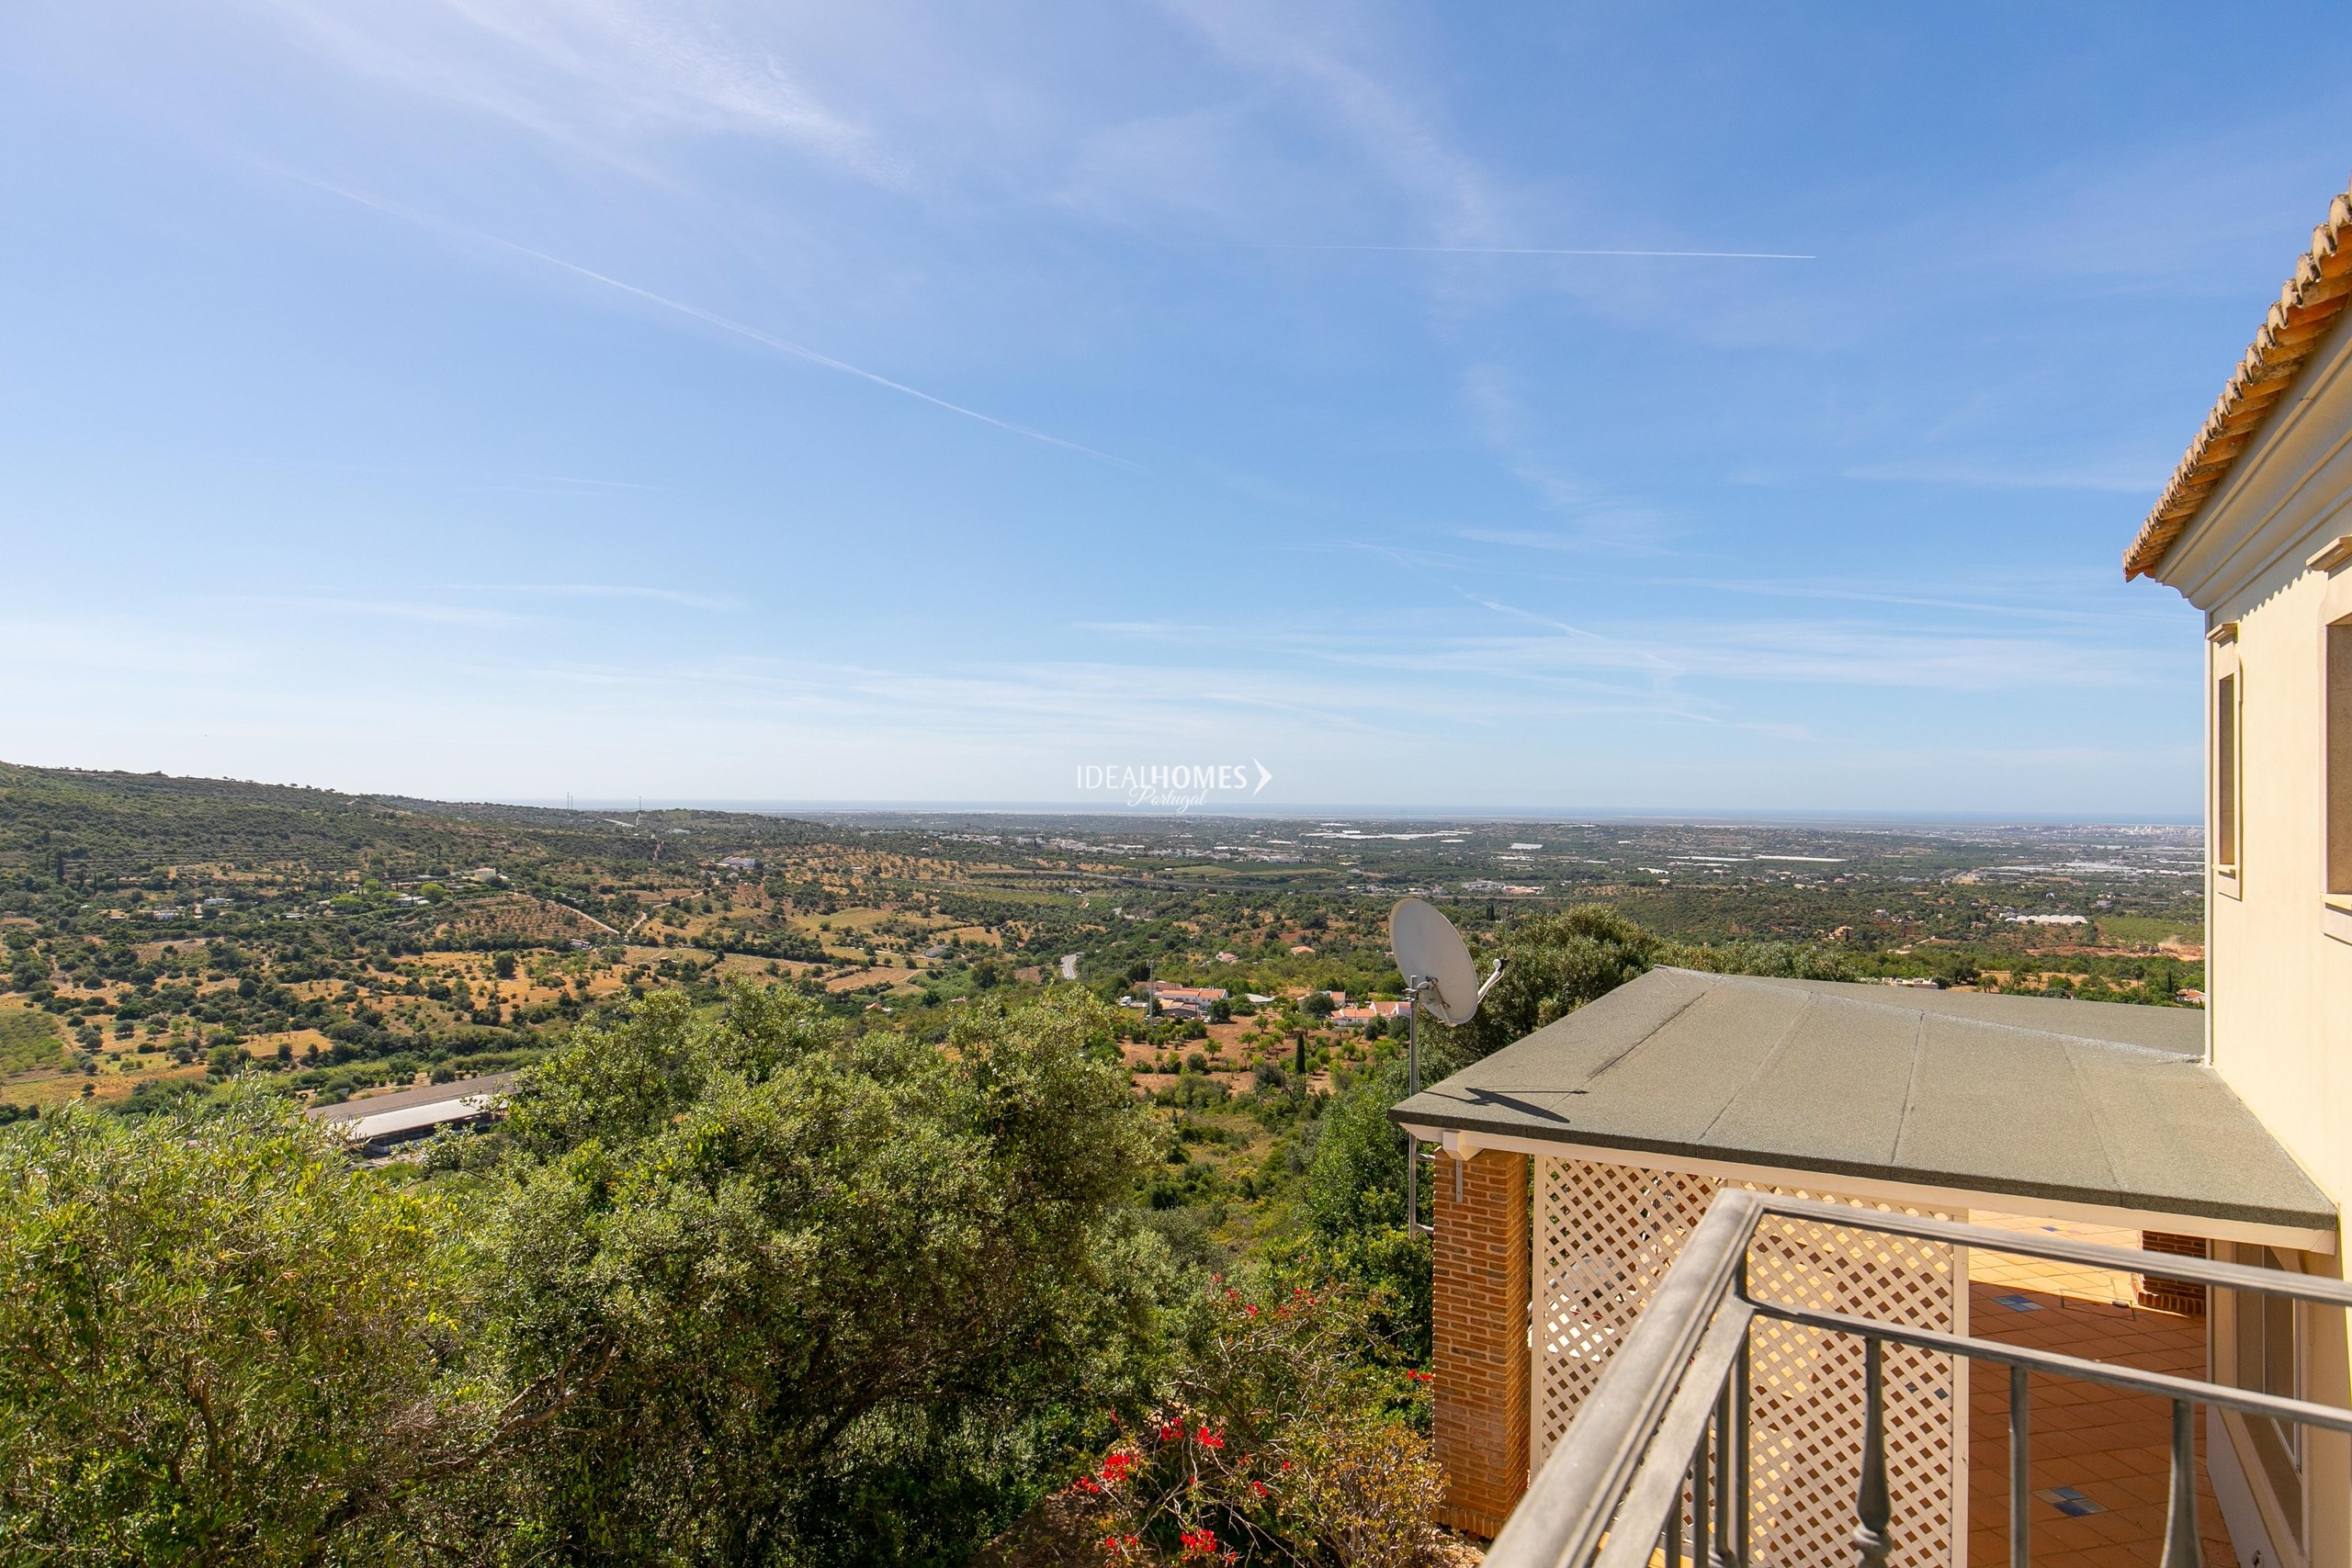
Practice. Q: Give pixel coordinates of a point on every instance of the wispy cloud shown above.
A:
(1596, 519)
(618, 591)
(2153, 615)
(1326, 64)
(2118, 476)
(696, 312)
(401, 609)
(1596, 528)
(598, 75)
(1672, 664)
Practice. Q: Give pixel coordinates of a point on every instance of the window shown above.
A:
(2338, 741)
(2268, 1361)
(2226, 769)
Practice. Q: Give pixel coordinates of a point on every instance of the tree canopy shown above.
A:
(1554, 963)
(721, 1275)
(221, 1343)
(784, 1238)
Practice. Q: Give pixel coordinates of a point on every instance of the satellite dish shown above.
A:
(1440, 979)
(1435, 962)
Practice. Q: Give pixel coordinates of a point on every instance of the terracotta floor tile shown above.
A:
(2113, 1446)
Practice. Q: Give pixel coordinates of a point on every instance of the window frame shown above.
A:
(2280, 1451)
(2335, 740)
(2225, 783)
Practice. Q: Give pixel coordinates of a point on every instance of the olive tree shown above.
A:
(1552, 964)
(786, 1242)
(220, 1342)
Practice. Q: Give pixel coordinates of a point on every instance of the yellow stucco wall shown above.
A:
(2280, 982)
(2279, 964)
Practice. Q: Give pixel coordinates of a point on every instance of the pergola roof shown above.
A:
(2092, 1103)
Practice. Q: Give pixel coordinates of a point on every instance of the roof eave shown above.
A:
(2314, 1226)
(2307, 308)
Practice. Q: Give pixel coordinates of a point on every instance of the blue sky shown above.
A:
(508, 398)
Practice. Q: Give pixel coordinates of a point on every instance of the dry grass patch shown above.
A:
(28, 1039)
(874, 977)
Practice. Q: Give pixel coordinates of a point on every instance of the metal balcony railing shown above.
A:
(1669, 1419)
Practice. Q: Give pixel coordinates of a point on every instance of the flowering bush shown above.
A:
(1276, 1444)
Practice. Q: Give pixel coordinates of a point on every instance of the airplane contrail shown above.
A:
(783, 346)
(1542, 251)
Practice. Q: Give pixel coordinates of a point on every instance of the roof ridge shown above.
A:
(2306, 308)
(2099, 1129)
(1764, 1064)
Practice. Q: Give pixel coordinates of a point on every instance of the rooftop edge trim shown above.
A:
(2306, 308)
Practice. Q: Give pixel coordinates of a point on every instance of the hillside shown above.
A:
(160, 931)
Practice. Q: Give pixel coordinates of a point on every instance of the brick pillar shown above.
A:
(2182, 1297)
(1480, 1286)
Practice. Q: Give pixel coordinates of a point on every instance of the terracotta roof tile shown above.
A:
(2306, 308)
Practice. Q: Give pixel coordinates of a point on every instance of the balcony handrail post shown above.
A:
(2021, 1472)
(1727, 1482)
(1872, 1505)
(1734, 1535)
(1674, 1530)
(1702, 1507)
(2181, 1546)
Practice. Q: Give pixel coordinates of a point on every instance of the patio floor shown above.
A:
(2110, 1450)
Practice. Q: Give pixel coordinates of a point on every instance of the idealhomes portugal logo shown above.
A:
(1173, 786)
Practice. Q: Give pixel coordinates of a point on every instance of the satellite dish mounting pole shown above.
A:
(1437, 969)
(1414, 985)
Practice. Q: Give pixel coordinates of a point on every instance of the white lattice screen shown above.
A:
(1605, 1236)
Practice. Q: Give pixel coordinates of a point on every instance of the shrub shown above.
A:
(1354, 1202)
(1277, 1441)
(220, 1342)
(1552, 966)
(803, 1245)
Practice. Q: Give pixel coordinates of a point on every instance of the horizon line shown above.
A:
(851, 806)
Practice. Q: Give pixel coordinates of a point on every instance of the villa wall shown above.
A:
(2278, 954)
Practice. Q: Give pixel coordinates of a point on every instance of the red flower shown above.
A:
(1198, 1543)
(1084, 1483)
(1259, 1487)
(1172, 1431)
(1207, 1438)
(1418, 1375)
(1250, 1311)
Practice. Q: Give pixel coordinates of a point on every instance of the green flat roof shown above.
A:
(2027, 1098)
